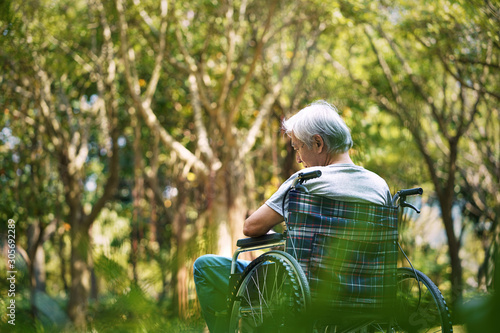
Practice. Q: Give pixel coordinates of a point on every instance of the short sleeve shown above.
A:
(275, 202)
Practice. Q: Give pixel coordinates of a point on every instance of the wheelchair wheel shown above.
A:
(272, 295)
(420, 305)
(420, 308)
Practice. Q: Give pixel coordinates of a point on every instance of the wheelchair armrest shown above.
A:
(261, 240)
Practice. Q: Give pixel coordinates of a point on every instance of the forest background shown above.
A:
(137, 135)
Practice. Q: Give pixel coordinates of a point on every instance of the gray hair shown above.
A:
(323, 119)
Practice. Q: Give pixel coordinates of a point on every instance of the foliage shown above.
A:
(154, 127)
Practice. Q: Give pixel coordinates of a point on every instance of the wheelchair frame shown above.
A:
(420, 305)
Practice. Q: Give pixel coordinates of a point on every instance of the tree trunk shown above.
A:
(62, 258)
(138, 195)
(38, 275)
(229, 210)
(447, 198)
(36, 264)
(80, 275)
(453, 251)
(37, 235)
(179, 274)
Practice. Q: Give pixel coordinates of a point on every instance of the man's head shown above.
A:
(319, 124)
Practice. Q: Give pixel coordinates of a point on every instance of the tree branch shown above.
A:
(145, 110)
(249, 75)
(193, 68)
(203, 142)
(146, 18)
(231, 38)
(153, 82)
(415, 82)
(108, 92)
(385, 104)
(385, 67)
(474, 86)
(267, 104)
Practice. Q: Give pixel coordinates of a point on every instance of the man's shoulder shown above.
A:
(348, 170)
(351, 183)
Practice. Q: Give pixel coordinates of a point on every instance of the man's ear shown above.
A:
(319, 144)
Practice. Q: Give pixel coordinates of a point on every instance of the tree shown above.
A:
(478, 69)
(224, 55)
(199, 89)
(415, 77)
(69, 87)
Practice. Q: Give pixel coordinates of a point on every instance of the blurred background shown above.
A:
(137, 135)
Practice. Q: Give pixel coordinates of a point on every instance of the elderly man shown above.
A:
(321, 140)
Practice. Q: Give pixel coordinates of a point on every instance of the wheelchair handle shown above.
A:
(309, 175)
(411, 191)
(303, 176)
(402, 194)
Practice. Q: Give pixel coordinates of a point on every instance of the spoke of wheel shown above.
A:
(277, 294)
(275, 287)
(261, 298)
(249, 302)
(265, 287)
(265, 295)
(256, 283)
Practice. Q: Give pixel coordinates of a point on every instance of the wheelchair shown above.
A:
(338, 273)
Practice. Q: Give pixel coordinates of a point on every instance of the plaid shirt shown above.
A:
(347, 250)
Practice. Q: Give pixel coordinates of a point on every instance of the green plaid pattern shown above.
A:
(347, 250)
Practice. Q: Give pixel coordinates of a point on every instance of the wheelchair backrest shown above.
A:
(348, 251)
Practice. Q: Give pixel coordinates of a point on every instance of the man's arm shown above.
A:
(261, 221)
